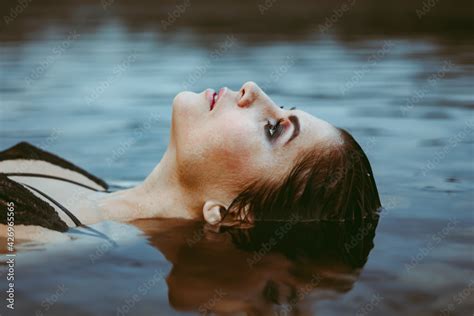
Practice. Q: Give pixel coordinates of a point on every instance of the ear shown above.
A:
(212, 211)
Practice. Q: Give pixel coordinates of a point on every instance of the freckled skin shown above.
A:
(222, 150)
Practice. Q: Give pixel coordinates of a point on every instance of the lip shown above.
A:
(210, 93)
(214, 97)
(221, 93)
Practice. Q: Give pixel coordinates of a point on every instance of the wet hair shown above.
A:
(331, 184)
(328, 242)
(326, 208)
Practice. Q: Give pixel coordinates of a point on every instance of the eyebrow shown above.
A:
(296, 127)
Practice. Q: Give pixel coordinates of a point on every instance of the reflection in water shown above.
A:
(271, 268)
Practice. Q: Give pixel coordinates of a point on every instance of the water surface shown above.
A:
(95, 86)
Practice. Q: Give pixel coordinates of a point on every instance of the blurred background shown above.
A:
(93, 82)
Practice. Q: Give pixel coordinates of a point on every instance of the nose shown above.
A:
(249, 92)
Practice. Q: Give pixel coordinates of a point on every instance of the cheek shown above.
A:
(235, 157)
(226, 149)
(236, 148)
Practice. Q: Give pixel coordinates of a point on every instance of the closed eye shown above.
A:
(273, 131)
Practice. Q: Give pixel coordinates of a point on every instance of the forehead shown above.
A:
(314, 130)
(314, 133)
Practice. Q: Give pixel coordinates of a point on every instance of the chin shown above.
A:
(189, 102)
(188, 111)
(184, 109)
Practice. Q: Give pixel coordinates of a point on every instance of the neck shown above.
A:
(160, 195)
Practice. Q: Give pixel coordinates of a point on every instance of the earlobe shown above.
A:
(212, 211)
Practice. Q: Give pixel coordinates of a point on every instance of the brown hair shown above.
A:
(326, 207)
(333, 184)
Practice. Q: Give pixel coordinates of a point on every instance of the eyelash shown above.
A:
(274, 130)
(291, 109)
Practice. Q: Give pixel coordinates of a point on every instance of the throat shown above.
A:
(144, 202)
(160, 195)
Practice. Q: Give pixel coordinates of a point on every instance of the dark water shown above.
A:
(94, 84)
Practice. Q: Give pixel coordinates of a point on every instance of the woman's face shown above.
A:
(227, 139)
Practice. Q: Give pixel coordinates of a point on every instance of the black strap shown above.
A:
(72, 217)
(76, 221)
(64, 209)
(38, 175)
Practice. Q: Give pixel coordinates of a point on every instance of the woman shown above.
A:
(234, 157)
